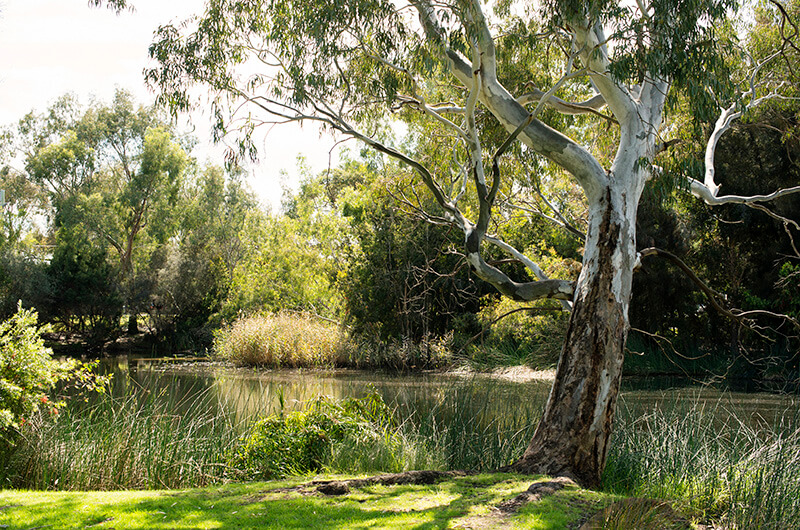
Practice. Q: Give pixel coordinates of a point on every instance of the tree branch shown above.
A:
(590, 106)
(544, 140)
(712, 295)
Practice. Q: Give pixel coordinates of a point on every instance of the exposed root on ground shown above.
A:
(342, 487)
(506, 509)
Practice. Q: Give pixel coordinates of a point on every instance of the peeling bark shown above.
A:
(572, 437)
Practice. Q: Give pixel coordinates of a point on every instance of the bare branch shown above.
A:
(559, 218)
(708, 189)
(703, 192)
(713, 296)
(418, 99)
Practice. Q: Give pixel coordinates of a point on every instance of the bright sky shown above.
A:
(51, 47)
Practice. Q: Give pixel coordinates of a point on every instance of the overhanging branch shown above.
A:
(713, 296)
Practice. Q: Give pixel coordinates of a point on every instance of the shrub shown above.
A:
(282, 340)
(431, 351)
(27, 374)
(304, 441)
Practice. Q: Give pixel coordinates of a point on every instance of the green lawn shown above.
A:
(459, 501)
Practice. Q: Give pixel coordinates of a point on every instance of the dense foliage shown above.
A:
(28, 375)
(302, 442)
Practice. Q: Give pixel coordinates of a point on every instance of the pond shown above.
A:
(250, 393)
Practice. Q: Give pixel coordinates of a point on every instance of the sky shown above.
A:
(51, 47)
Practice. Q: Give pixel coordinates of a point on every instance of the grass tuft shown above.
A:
(137, 441)
(292, 340)
(711, 461)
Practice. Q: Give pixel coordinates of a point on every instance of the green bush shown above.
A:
(27, 374)
(304, 441)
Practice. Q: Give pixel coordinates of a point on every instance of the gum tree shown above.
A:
(112, 171)
(469, 68)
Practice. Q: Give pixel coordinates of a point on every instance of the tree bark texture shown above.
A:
(573, 435)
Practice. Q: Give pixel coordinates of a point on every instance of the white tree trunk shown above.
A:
(573, 435)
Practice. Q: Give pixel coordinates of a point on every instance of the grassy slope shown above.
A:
(258, 505)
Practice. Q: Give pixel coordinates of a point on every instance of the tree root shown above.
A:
(498, 515)
(534, 493)
(342, 487)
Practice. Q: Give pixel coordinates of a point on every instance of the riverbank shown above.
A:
(730, 458)
(433, 500)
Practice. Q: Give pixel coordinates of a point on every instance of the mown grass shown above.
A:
(269, 505)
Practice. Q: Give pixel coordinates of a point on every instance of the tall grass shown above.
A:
(142, 441)
(401, 354)
(473, 426)
(135, 441)
(295, 340)
(470, 427)
(283, 340)
(739, 473)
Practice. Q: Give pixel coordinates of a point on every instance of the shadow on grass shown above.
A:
(261, 506)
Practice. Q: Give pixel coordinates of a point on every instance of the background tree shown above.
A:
(21, 242)
(111, 174)
(194, 272)
(291, 259)
(403, 278)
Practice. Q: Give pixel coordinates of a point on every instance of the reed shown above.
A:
(712, 460)
(473, 426)
(283, 340)
(295, 340)
(131, 442)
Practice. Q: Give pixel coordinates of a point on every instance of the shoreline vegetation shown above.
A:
(708, 463)
(296, 339)
(707, 460)
(302, 340)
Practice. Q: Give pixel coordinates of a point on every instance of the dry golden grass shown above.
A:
(283, 340)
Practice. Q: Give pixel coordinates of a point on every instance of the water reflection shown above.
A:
(249, 394)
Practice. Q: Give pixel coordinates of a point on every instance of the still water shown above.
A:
(249, 394)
